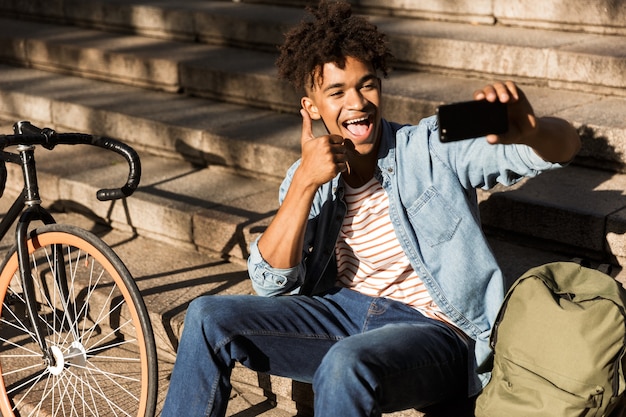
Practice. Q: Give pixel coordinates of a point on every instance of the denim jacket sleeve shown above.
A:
(268, 281)
(481, 165)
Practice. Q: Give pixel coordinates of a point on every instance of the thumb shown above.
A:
(307, 127)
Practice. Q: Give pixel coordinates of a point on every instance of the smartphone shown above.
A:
(471, 119)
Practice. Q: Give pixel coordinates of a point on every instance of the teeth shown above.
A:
(362, 119)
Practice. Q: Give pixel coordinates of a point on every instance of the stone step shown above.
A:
(262, 141)
(578, 207)
(159, 16)
(559, 59)
(603, 16)
(202, 131)
(176, 202)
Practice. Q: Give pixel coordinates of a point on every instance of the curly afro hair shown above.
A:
(333, 35)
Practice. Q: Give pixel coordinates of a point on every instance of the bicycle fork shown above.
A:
(34, 212)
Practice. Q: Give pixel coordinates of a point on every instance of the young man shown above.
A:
(378, 233)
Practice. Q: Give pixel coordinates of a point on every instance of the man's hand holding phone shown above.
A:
(500, 111)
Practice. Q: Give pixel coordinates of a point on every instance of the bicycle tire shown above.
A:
(99, 333)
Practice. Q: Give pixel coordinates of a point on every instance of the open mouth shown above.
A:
(358, 127)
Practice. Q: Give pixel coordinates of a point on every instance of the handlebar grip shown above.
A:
(107, 194)
(134, 168)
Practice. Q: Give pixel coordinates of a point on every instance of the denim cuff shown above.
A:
(269, 281)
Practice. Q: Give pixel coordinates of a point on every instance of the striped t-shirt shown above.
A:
(369, 257)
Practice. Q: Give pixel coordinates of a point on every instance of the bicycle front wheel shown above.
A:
(96, 327)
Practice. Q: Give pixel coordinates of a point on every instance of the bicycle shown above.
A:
(75, 336)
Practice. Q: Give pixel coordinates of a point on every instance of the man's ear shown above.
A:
(310, 107)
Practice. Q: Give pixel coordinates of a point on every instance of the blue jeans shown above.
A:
(363, 355)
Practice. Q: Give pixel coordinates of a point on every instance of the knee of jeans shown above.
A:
(340, 363)
(196, 311)
(212, 314)
(201, 310)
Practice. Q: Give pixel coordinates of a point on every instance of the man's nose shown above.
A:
(355, 100)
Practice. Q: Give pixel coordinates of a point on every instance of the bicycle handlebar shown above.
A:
(28, 134)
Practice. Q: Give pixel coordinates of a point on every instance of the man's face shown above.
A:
(348, 102)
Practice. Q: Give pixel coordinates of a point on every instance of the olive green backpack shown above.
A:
(558, 344)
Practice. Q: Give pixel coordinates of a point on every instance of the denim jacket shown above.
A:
(434, 211)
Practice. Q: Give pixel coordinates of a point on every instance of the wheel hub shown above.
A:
(75, 355)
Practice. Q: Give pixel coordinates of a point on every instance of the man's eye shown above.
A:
(336, 93)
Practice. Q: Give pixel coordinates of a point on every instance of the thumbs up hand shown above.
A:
(323, 157)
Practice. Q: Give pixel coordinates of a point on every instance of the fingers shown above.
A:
(501, 91)
(335, 139)
(521, 119)
(339, 152)
(307, 127)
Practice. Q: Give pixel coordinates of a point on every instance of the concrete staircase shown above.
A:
(191, 85)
